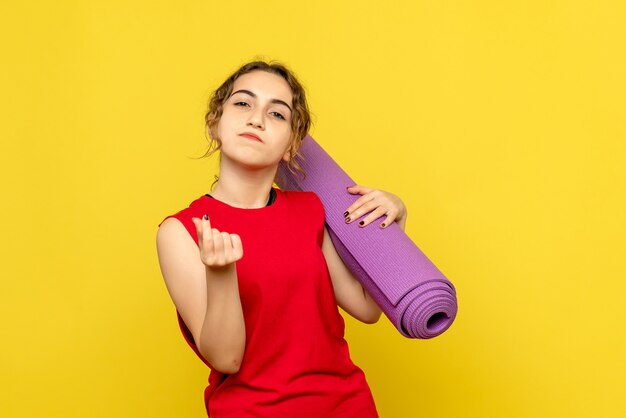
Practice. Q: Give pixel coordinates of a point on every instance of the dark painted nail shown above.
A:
(206, 217)
(348, 219)
(383, 224)
(361, 223)
(345, 214)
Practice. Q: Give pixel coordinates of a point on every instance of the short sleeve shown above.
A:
(185, 219)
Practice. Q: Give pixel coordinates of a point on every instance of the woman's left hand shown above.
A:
(379, 203)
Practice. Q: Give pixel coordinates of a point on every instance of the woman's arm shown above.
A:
(206, 298)
(350, 294)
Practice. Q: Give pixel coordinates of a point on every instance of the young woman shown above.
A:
(253, 273)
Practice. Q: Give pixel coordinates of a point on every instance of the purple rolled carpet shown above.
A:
(416, 297)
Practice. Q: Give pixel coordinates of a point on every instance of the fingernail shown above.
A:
(205, 217)
(345, 214)
(348, 219)
(361, 223)
(383, 224)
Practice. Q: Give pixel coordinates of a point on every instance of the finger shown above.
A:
(199, 223)
(228, 248)
(372, 217)
(388, 221)
(237, 246)
(207, 238)
(218, 247)
(359, 189)
(360, 207)
(360, 202)
(207, 219)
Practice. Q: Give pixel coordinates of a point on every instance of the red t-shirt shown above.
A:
(296, 360)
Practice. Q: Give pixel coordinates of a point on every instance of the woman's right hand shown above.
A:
(217, 249)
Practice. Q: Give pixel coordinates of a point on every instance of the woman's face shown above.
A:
(260, 104)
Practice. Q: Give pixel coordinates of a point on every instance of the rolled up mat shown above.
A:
(416, 297)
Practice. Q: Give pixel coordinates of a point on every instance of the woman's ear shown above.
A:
(287, 155)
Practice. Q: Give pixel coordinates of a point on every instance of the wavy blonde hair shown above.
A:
(300, 117)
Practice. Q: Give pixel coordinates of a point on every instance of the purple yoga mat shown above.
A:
(416, 297)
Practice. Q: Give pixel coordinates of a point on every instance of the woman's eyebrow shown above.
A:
(277, 101)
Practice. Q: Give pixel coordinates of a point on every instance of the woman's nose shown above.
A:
(256, 119)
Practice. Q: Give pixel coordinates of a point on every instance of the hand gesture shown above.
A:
(217, 249)
(379, 203)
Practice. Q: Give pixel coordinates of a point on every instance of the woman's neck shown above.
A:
(244, 189)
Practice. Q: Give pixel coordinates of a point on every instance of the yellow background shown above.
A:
(500, 124)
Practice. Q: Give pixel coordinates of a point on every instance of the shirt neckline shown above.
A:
(277, 201)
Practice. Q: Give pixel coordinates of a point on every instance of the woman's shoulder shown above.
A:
(184, 216)
(185, 212)
(307, 203)
(301, 195)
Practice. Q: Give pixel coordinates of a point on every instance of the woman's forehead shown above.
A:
(265, 85)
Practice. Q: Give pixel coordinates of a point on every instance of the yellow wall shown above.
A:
(501, 125)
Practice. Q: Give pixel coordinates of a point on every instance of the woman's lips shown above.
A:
(251, 136)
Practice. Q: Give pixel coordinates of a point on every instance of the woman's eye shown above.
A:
(241, 103)
(278, 115)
